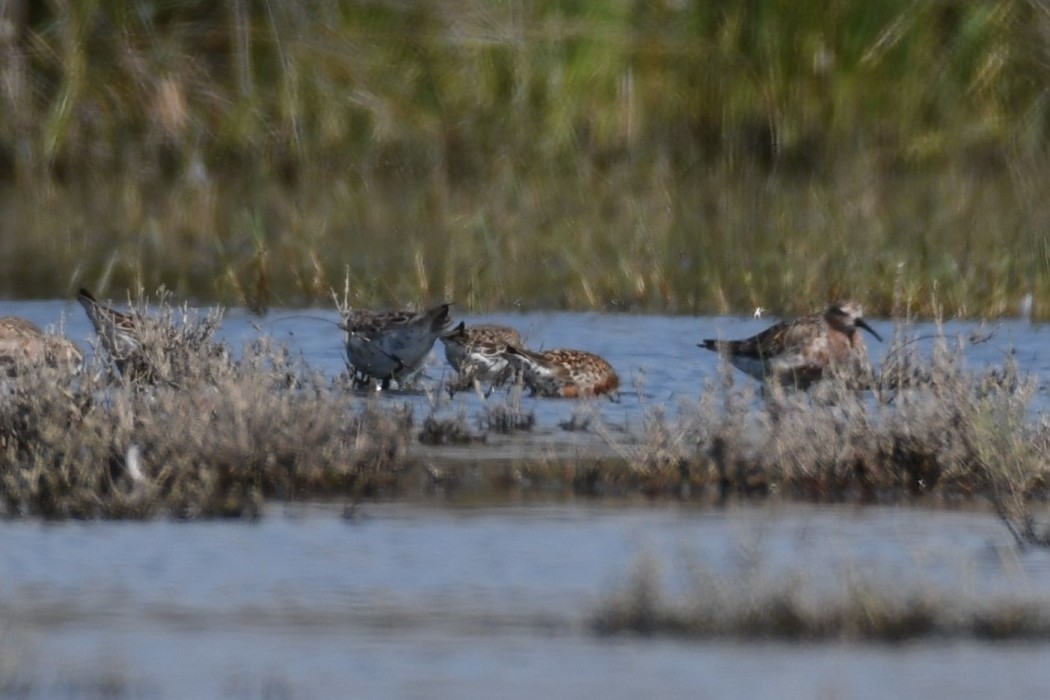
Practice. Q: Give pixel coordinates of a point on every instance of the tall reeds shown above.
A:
(683, 157)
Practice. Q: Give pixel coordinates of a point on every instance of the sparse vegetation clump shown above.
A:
(447, 431)
(172, 345)
(216, 438)
(795, 607)
(506, 418)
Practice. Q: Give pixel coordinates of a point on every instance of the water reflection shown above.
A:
(408, 595)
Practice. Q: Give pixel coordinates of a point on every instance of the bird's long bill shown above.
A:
(861, 323)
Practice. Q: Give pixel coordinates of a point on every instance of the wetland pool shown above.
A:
(417, 600)
(428, 598)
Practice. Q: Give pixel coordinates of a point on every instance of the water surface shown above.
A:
(414, 600)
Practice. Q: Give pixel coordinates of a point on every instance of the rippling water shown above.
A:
(420, 600)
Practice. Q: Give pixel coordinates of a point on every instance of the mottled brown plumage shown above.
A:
(479, 354)
(799, 352)
(24, 348)
(564, 372)
(117, 331)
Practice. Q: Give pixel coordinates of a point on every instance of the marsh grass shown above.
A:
(226, 437)
(447, 431)
(175, 345)
(689, 157)
(506, 417)
(850, 607)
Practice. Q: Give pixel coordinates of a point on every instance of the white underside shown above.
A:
(487, 368)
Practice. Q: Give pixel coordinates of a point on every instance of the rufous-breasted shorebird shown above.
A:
(564, 372)
(801, 351)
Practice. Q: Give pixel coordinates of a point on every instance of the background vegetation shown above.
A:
(632, 154)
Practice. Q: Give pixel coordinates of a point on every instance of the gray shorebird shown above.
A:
(479, 354)
(799, 352)
(24, 347)
(389, 345)
(118, 331)
(564, 373)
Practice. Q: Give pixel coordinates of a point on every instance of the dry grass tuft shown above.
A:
(447, 431)
(216, 439)
(506, 418)
(749, 605)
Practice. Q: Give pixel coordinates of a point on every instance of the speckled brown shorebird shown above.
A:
(118, 331)
(24, 347)
(387, 345)
(564, 372)
(478, 353)
(799, 352)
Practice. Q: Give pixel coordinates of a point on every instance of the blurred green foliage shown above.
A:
(630, 154)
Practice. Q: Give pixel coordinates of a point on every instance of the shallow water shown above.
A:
(429, 600)
(660, 366)
(412, 600)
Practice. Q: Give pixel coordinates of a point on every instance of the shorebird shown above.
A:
(24, 346)
(479, 354)
(798, 352)
(391, 344)
(565, 373)
(118, 331)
